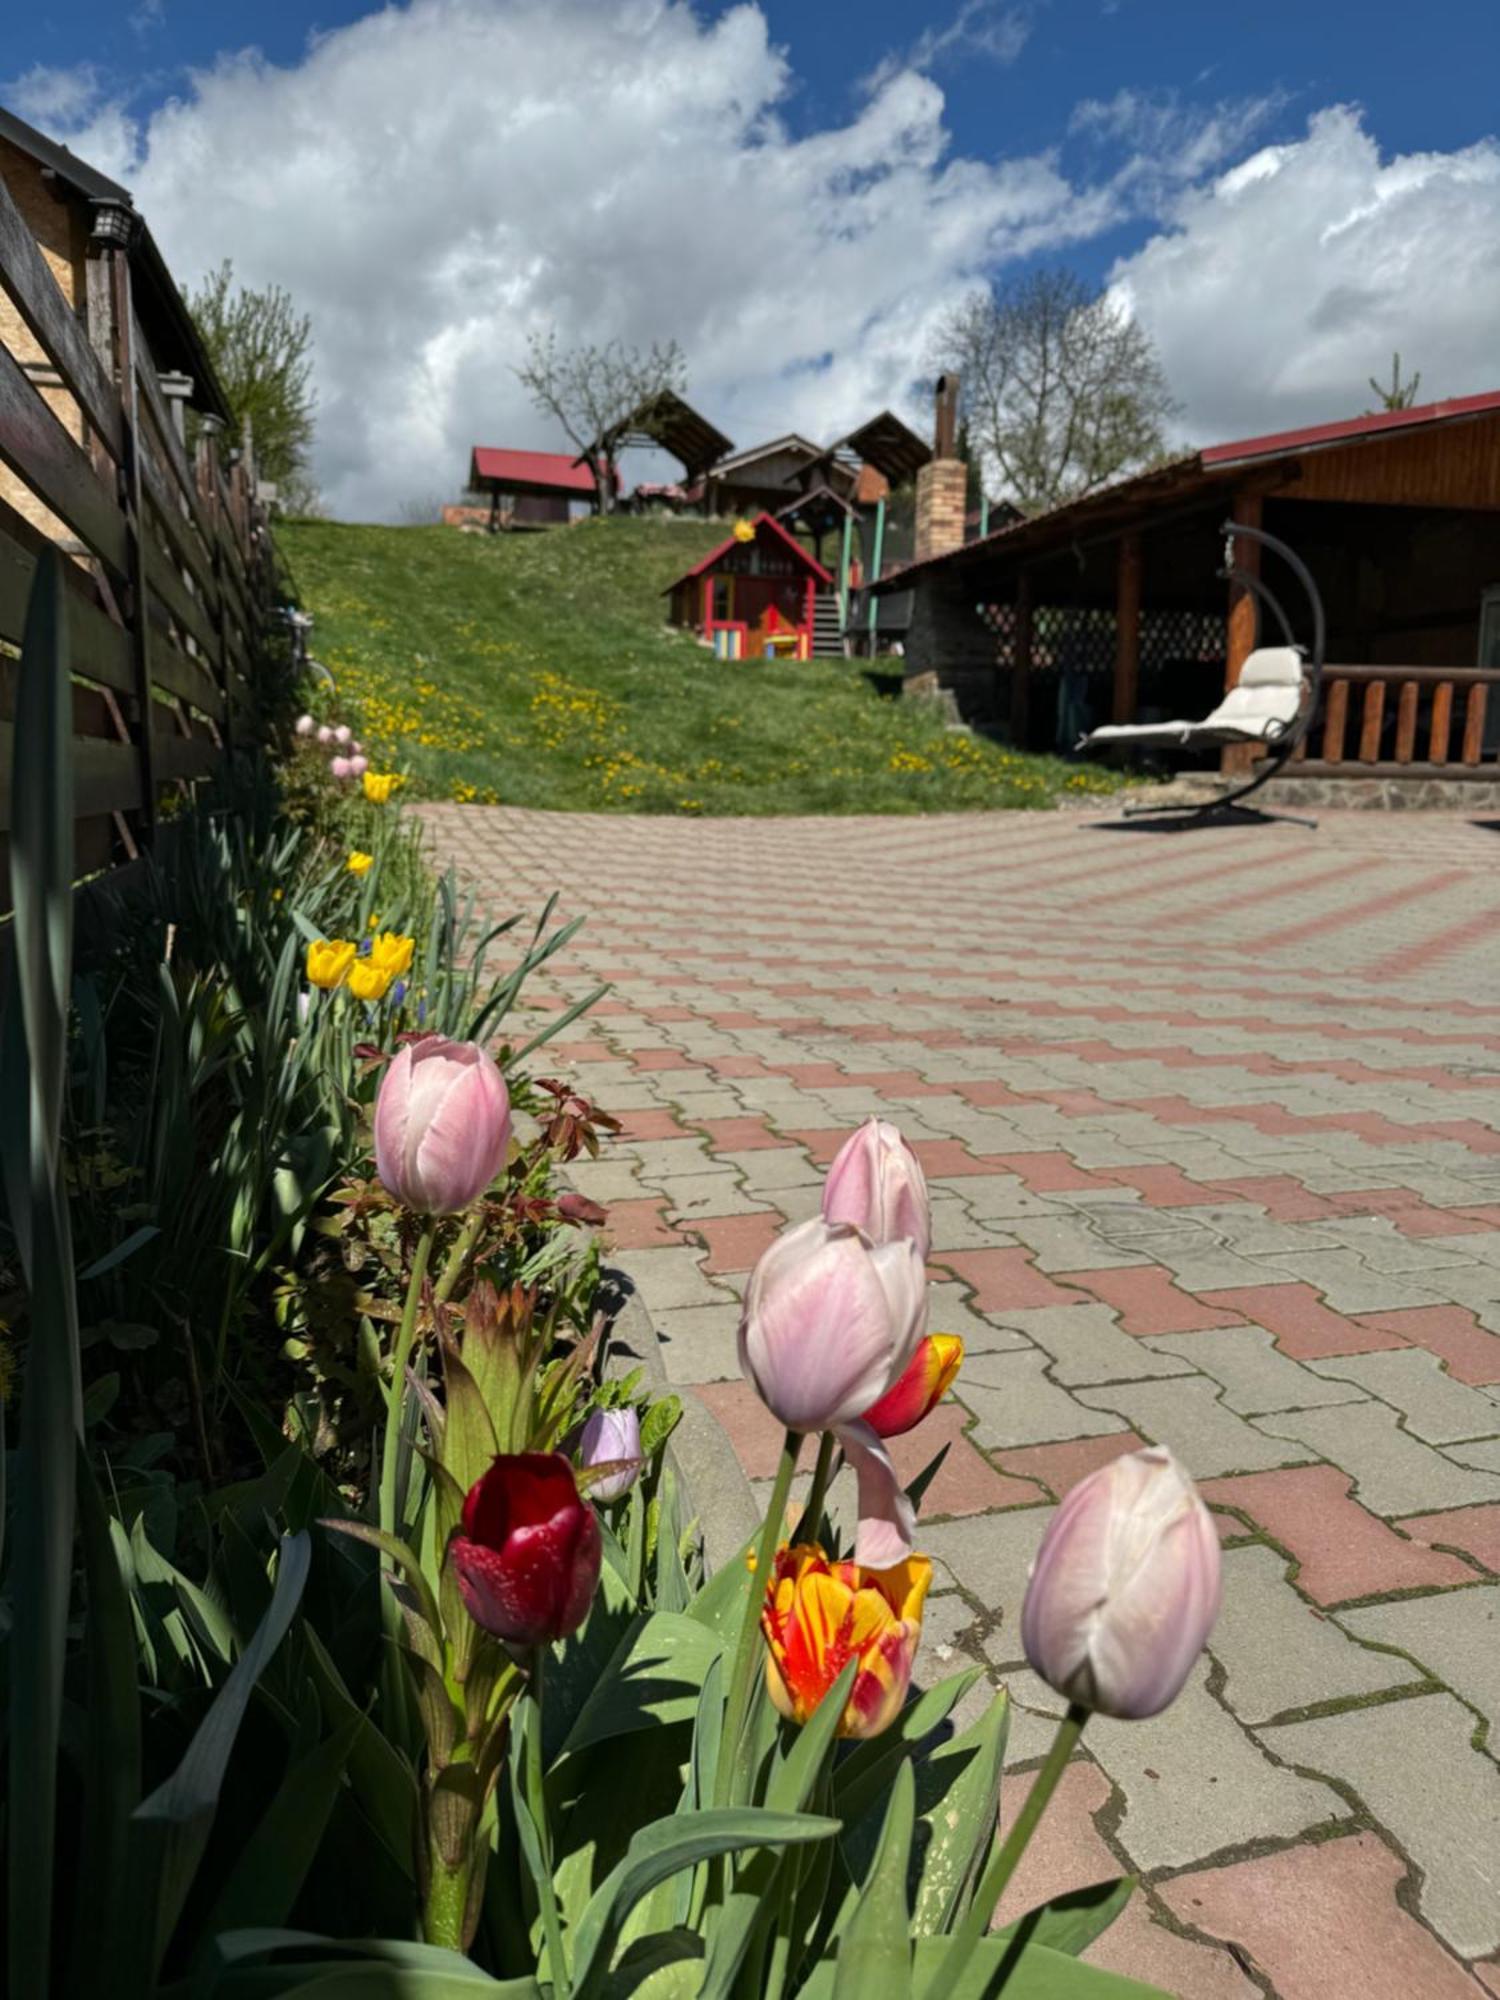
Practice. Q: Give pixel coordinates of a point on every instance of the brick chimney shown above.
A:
(943, 482)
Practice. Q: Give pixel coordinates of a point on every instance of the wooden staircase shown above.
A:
(828, 627)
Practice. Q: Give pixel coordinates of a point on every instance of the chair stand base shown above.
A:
(1224, 811)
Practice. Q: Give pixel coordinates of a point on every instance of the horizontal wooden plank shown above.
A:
(173, 452)
(189, 611)
(187, 678)
(99, 646)
(36, 447)
(1316, 767)
(94, 850)
(1424, 676)
(106, 776)
(177, 531)
(34, 292)
(186, 756)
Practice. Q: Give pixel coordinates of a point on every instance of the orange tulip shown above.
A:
(927, 1378)
(819, 1615)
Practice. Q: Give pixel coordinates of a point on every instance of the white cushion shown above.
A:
(1258, 710)
(1141, 732)
(1272, 666)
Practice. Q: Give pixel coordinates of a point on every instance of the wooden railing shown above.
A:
(172, 572)
(1421, 722)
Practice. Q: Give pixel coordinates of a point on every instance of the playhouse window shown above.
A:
(721, 598)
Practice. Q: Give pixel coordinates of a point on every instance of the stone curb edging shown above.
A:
(715, 1490)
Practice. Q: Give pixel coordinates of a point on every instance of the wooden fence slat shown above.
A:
(37, 448)
(100, 649)
(173, 453)
(1335, 716)
(176, 531)
(187, 678)
(1369, 734)
(33, 290)
(1441, 724)
(1474, 724)
(186, 756)
(189, 611)
(106, 776)
(1406, 722)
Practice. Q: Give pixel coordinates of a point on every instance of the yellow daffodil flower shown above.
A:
(369, 980)
(328, 962)
(379, 785)
(360, 864)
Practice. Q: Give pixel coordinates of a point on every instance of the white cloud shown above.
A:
(55, 98)
(980, 27)
(1285, 283)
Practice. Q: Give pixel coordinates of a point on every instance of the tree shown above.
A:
(1395, 394)
(595, 392)
(260, 346)
(1061, 389)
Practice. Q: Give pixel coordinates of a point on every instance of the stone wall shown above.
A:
(941, 486)
(946, 638)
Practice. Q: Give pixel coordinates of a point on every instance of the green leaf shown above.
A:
(1035, 1973)
(875, 1949)
(960, 1804)
(661, 1850)
(720, 1604)
(383, 1782)
(356, 1969)
(869, 1767)
(469, 1444)
(1070, 1923)
(654, 1679)
(133, 1242)
(666, 1966)
(401, 1554)
(174, 1823)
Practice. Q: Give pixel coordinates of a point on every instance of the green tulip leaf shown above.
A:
(1070, 1923)
(959, 1799)
(653, 1680)
(875, 1949)
(864, 1774)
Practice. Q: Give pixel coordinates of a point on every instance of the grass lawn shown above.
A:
(538, 670)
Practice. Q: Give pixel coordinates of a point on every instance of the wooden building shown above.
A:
(1111, 609)
(528, 489)
(754, 595)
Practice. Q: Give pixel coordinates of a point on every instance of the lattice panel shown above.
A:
(1170, 636)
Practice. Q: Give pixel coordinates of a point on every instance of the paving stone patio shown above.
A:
(1212, 1126)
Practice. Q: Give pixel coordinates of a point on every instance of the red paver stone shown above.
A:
(1283, 1198)
(1044, 1173)
(739, 1066)
(1470, 1353)
(1476, 1529)
(739, 1135)
(640, 1225)
(586, 1052)
(1005, 1279)
(1343, 1550)
(1164, 1187)
(988, 1092)
(649, 1059)
(1489, 1975)
(1067, 1850)
(821, 1141)
(1301, 1324)
(944, 1159)
(1060, 1466)
(735, 1242)
(653, 1124)
(1322, 1923)
(1148, 1301)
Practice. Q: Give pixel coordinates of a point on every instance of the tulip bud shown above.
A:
(358, 766)
(610, 1435)
(442, 1125)
(876, 1182)
(1125, 1587)
(343, 734)
(339, 768)
(325, 734)
(304, 725)
(818, 1615)
(357, 747)
(526, 1554)
(929, 1375)
(829, 1322)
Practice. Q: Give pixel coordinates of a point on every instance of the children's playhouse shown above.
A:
(753, 597)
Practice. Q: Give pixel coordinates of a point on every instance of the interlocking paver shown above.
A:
(1391, 1756)
(1159, 1136)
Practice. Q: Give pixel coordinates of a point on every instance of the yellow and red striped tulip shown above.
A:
(927, 1378)
(819, 1615)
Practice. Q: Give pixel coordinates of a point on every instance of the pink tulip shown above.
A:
(442, 1125)
(830, 1322)
(610, 1437)
(1125, 1587)
(325, 734)
(340, 768)
(343, 735)
(358, 766)
(357, 747)
(876, 1182)
(304, 725)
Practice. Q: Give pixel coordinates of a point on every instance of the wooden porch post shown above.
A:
(1020, 670)
(1127, 628)
(1239, 627)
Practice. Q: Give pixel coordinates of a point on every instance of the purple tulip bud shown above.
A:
(609, 1435)
(1125, 1587)
(304, 725)
(876, 1182)
(442, 1125)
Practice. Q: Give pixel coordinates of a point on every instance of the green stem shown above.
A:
(447, 1901)
(997, 1876)
(812, 1513)
(725, 1778)
(536, 1800)
(390, 1500)
(458, 1256)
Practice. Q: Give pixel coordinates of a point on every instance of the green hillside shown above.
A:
(538, 670)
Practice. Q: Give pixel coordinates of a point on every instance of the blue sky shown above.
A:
(797, 190)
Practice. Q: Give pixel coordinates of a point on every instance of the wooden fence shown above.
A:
(1402, 722)
(172, 575)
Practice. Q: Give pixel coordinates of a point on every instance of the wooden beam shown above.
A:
(1239, 629)
(1020, 668)
(1127, 628)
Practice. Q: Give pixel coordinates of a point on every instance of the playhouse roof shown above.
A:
(528, 471)
(767, 527)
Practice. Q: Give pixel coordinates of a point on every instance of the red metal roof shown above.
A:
(762, 521)
(554, 470)
(1277, 442)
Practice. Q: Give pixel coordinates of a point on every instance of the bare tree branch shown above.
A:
(594, 392)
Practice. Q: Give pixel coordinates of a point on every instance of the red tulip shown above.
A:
(526, 1558)
(929, 1375)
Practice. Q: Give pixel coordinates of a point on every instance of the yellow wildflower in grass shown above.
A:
(328, 962)
(369, 980)
(379, 785)
(393, 952)
(360, 864)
